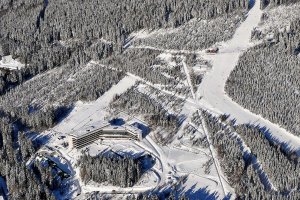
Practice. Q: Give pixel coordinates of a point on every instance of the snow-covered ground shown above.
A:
(8, 62)
(212, 88)
(88, 113)
(279, 18)
(177, 160)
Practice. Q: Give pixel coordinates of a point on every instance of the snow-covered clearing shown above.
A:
(9, 63)
(189, 163)
(87, 113)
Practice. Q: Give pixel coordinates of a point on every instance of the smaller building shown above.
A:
(212, 50)
(101, 131)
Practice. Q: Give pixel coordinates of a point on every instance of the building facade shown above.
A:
(101, 131)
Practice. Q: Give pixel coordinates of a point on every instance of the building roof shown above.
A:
(133, 129)
(89, 129)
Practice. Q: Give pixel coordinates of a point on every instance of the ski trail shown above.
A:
(172, 51)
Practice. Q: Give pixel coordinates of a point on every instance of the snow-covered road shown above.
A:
(212, 88)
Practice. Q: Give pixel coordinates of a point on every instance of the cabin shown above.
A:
(102, 131)
(212, 50)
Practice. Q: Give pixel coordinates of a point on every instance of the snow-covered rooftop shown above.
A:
(89, 129)
(125, 127)
(133, 129)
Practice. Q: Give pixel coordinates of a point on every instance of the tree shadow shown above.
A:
(172, 192)
(37, 139)
(202, 193)
(62, 112)
(145, 129)
(117, 121)
(252, 3)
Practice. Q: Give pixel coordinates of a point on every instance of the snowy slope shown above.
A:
(212, 88)
(87, 113)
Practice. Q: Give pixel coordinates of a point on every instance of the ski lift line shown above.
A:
(211, 151)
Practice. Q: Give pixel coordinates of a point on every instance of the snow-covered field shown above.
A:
(88, 113)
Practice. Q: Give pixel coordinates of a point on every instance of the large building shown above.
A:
(100, 131)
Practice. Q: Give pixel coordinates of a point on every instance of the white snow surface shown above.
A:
(88, 113)
(8, 62)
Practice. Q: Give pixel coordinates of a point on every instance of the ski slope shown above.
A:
(212, 87)
(84, 114)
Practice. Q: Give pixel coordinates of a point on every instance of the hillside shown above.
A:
(149, 99)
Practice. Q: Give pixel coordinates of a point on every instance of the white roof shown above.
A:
(123, 128)
(89, 128)
(114, 128)
(133, 129)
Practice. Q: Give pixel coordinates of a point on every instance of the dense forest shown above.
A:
(266, 79)
(265, 3)
(31, 31)
(253, 162)
(195, 35)
(15, 152)
(156, 111)
(280, 164)
(115, 170)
